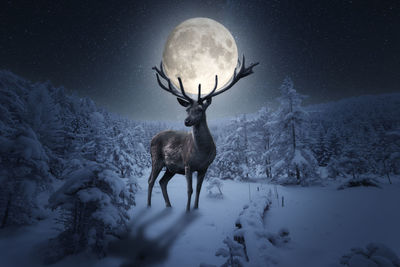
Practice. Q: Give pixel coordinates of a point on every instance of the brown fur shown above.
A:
(183, 153)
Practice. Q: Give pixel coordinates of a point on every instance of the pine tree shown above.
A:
(293, 160)
(320, 149)
(233, 155)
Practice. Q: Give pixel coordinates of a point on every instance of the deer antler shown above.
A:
(171, 88)
(243, 72)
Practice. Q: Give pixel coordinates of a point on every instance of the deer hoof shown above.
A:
(168, 205)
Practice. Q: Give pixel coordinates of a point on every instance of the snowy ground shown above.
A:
(324, 224)
(191, 238)
(163, 237)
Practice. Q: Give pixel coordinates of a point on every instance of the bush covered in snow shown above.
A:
(375, 254)
(234, 253)
(93, 204)
(214, 187)
(359, 182)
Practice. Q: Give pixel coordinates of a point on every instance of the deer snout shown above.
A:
(188, 123)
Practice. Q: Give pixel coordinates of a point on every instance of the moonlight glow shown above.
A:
(197, 50)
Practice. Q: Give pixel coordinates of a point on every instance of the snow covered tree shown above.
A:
(232, 160)
(42, 115)
(294, 163)
(334, 146)
(23, 176)
(93, 203)
(24, 162)
(99, 187)
(261, 141)
(387, 153)
(320, 147)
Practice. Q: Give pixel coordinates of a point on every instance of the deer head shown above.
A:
(196, 108)
(195, 111)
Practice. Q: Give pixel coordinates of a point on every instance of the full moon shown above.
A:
(196, 51)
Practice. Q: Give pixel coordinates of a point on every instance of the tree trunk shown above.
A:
(388, 176)
(245, 146)
(293, 130)
(6, 212)
(268, 170)
(75, 217)
(387, 171)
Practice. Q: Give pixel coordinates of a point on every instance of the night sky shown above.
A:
(105, 49)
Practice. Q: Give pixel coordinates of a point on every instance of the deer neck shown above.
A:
(202, 137)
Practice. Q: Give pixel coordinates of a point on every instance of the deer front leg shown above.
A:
(200, 178)
(188, 175)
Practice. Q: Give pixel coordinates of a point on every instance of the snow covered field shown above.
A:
(191, 238)
(325, 223)
(160, 236)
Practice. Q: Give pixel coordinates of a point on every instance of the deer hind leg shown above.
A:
(163, 183)
(188, 175)
(155, 171)
(200, 178)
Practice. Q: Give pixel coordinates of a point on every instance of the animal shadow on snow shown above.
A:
(136, 249)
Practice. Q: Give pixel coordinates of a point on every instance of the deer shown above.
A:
(187, 152)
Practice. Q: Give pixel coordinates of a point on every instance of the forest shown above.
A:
(64, 157)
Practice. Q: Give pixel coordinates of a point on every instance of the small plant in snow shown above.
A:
(214, 187)
(233, 254)
(279, 239)
(359, 182)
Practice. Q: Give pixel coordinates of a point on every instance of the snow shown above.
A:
(375, 254)
(93, 194)
(21, 246)
(250, 228)
(298, 158)
(200, 233)
(78, 179)
(172, 236)
(30, 146)
(115, 183)
(325, 223)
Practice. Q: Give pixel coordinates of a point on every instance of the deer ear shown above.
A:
(207, 103)
(183, 102)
